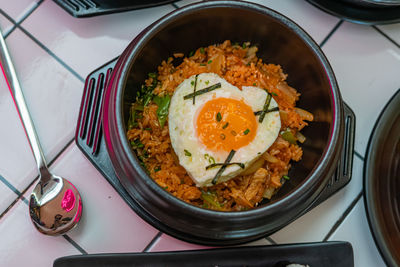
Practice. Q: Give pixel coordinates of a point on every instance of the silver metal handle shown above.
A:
(15, 89)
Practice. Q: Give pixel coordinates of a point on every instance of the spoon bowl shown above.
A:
(55, 207)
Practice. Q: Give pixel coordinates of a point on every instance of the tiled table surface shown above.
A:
(54, 52)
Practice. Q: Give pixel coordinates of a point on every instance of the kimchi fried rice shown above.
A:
(239, 65)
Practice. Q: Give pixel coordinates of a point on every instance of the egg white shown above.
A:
(182, 128)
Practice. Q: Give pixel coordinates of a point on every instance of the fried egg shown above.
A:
(221, 121)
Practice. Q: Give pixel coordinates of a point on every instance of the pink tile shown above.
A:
(17, 164)
(315, 22)
(5, 25)
(7, 196)
(22, 245)
(108, 224)
(17, 9)
(169, 243)
(367, 67)
(87, 43)
(51, 92)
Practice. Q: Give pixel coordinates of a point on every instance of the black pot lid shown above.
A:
(357, 13)
(382, 182)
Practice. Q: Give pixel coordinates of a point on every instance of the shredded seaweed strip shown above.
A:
(223, 167)
(194, 89)
(265, 108)
(202, 91)
(268, 111)
(241, 165)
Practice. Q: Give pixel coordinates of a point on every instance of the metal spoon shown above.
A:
(55, 204)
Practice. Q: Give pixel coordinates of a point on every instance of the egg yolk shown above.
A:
(226, 124)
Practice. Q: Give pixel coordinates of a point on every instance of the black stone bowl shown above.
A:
(280, 41)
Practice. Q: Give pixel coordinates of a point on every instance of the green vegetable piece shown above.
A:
(286, 177)
(246, 132)
(225, 125)
(209, 62)
(210, 199)
(219, 116)
(202, 64)
(152, 75)
(132, 118)
(244, 45)
(275, 94)
(187, 153)
(289, 136)
(202, 50)
(191, 53)
(157, 169)
(162, 111)
(207, 82)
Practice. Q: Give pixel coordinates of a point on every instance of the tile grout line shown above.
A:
(358, 155)
(9, 185)
(269, 238)
(59, 60)
(152, 242)
(386, 36)
(76, 245)
(343, 217)
(331, 33)
(24, 17)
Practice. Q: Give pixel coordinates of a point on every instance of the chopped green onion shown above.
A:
(194, 89)
(265, 108)
(219, 116)
(286, 177)
(244, 45)
(209, 158)
(148, 129)
(225, 125)
(241, 165)
(203, 91)
(192, 83)
(191, 53)
(187, 153)
(254, 84)
(207, 82)
(268, 111)
(202, 64)
(157, 169)
(275, 94)
(209, 62)
(246, 132)
(202, 50)
(220, 171)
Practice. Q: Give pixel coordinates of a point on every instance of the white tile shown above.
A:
(315, 22)
(314, 225)
(22, 245)
(355, 230)
(5, 25)
(87, 43)
(108, 224)
(7, 196)
(186, 2)
(52, 93)
(392, 30)
(17, 9)
(367, 67)
(17, 164)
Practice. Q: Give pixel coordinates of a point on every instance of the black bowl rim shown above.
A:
(369, 195)
(329, 152)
